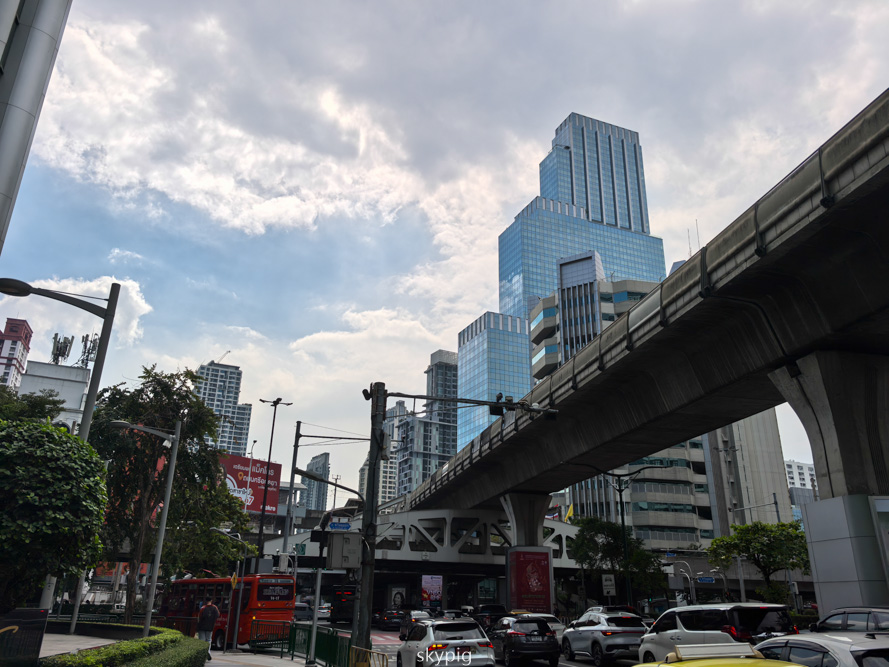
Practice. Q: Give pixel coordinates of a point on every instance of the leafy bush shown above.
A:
(121, 653)
(187, 653)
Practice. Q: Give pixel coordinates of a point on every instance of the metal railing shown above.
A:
(331, 648)
(362, 657)
(270, 635)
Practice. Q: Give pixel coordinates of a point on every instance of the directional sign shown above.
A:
(608, 586)
(339, 526)
(706, 580)
(669, 554)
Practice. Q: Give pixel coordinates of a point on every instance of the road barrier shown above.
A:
(362, 657)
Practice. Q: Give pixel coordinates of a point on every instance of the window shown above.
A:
(805, 656)
(665, 623)
(834, 622)
(772, 652)
(879, 621)
(856, 622)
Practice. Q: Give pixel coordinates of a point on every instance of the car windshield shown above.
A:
(420, 614)
(625, 622)
(761, 620)
(872, 658)
(531, 626)
(457, 631)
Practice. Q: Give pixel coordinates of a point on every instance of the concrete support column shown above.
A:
(841, 398)
(526, 512)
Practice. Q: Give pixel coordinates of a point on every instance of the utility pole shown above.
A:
(377, 397)
(288, 522)
(268, 471)
(336, 478)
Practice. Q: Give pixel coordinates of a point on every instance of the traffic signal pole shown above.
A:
(377, 397)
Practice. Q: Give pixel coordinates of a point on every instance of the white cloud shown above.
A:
(118, 256)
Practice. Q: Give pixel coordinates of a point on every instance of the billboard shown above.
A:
(431, 584)
(530, 578)
(247, 482)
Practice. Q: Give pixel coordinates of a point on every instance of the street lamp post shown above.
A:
(171, 471)
(310, 656)
(237, 538)
(724, 580)
(13, 287)
(268, 470)
(691, 583)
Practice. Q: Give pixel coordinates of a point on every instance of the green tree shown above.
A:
(771, 547)
(52, 492)
(598, 547)
(138, 473)
(35, 407)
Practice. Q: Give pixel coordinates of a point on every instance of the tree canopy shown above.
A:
(771, 547)
(138, 473)
(52, 492)
(41, 406)
(599, 547)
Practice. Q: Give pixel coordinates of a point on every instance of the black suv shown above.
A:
(525, 636)
(408, 620)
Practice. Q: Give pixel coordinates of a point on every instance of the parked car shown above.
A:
(302, 612)
(445, 642)
(854, 619)
(391, 619)
(324, 612)
(749, 622)
(828, 650)
(528, 636)
(604, 636)
(409, 619)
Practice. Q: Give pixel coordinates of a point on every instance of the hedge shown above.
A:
(189, 652)
(121, 653)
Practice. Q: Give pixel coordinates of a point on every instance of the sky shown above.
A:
(315, 190)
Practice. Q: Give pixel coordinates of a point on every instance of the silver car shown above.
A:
(457, 643)
(831, 649)
(603, 636)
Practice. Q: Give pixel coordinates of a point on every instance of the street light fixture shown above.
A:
(237, 538)
(173, 439)
(268, 472)
(18, 288)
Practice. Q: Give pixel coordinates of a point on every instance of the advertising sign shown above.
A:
(248, 484)
(21, 635)
(530, 578)
(431, 584)
(398, 595)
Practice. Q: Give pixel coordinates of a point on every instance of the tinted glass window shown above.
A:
(457, 631)
(762, 620)
(625, 622)
(856, 622)
(805, 656)
(834, 622)
(829, 661)
(531, 627)
(665, 623)
(690, 620)
(417, 633)
(878, 621)
(873, 659)
(420, 614)
(771, 652)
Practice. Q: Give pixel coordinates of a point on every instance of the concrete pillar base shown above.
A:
(844, 551)
(526, 512)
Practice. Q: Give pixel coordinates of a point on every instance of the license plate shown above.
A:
(463, 650)
(536, 639)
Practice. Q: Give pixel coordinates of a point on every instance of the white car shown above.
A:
(604, 636)
(555, 624)
(459, 643)
(324, 612)
(725, 623)
(832, 649)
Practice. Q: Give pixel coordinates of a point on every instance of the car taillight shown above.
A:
(551, 633)
(485, 645)
(436, 647)
(732, 631)
(607, 633)
(515, 632)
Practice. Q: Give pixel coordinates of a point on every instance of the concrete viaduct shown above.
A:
(790, 302)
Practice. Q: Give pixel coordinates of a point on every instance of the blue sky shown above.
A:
(318, 187)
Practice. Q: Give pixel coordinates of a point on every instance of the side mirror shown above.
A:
(402, 637)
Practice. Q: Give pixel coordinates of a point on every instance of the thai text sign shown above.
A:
(530, 579)
(246, 479)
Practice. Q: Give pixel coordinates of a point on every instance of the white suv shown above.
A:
(457, 643)
(750, 622)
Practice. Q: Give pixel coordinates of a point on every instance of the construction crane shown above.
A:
(224, 355)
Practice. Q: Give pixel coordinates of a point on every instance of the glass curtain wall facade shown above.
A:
(494, 357)
(315, 495)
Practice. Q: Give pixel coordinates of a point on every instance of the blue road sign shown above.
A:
(339, 526)
(706, 580)
(669, 554)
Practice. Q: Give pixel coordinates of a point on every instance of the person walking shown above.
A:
(206, 622)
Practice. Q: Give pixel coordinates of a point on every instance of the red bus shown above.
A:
(266, 597)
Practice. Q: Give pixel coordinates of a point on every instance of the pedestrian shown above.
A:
(206, 622)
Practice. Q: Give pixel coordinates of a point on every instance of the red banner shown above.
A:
(249, 484)
(530, 579)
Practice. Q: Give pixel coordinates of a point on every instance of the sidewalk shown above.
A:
(54, 644)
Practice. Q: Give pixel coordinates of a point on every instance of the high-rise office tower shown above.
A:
(493, 358)
(15, 344)
(425, 443)
(220, 390)
(315, 495)
(592, 198)
(388, 480)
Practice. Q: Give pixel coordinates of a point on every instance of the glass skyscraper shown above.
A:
(220, 390)
(493, 357)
